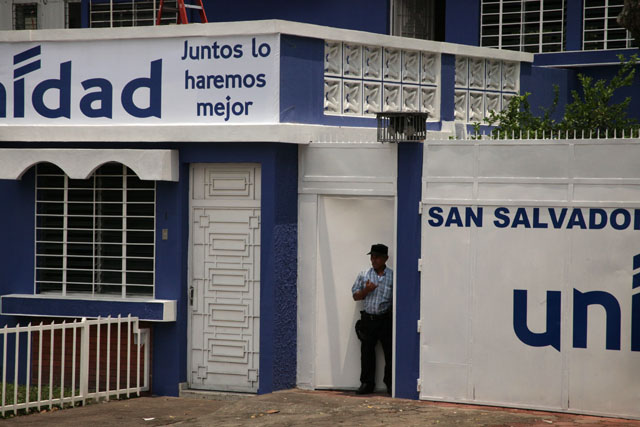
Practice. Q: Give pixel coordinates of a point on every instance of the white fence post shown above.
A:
(84, 360)
(62, 357)
(15, 372)
(4, 366)
(118, 358)
(39, 365)
(28, 379)
(108, 355)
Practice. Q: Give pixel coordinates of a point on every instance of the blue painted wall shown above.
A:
(607, 72)
(285, 267)
(170, 339)
(462, 22)
(301, 79)
(539, 79)
(407, 276)
(539, 83)
(363, 15)
(573, 30)
(17, 225)
(16, 254)
(447, 89)
(278, 292)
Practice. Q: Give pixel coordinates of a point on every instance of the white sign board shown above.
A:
(203, 80)
(530, 300)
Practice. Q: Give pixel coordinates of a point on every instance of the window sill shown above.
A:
(43, 305)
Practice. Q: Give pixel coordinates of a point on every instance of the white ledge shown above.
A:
(281, 132)
(78, 306)
(272, 26)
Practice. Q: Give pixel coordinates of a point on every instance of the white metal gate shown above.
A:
(530, 258)
(224, 277)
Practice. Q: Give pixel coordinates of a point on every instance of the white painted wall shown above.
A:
(346, 203)
(6, 15)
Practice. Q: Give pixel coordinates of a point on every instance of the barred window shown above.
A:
(94, 236)
(25, 16)
(600, 26)
(413, 18)
(130, 13)
(72, 14)
(523, 25)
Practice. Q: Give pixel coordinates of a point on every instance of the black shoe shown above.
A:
(389, 390)
(365, 389)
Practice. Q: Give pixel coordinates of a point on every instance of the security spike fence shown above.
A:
(64, 364)
(496, 135)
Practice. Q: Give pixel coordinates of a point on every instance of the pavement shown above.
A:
(300, 408)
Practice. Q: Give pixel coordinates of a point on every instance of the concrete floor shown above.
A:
(298, 408)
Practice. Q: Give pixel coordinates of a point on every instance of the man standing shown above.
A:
(374, 287)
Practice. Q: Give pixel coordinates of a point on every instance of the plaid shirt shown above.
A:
(379, 300)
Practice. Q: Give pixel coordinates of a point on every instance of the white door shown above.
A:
(347, 227)
(224, 293)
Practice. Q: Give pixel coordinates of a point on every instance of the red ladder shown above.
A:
(182, 11)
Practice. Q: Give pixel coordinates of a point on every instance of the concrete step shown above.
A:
(186, 392)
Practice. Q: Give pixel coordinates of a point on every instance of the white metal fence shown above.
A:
(68, 363)
(461, 133)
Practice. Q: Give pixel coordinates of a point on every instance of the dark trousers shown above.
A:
(374, 329)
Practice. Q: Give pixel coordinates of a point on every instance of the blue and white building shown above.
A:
(222, 182)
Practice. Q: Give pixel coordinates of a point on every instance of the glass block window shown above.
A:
(600, 27)
(483, 85)
(523, 25)
(414, 18)
(361, 80)
(94, 236)
(130, 13)
(25, 16)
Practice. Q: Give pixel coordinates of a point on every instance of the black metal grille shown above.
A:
(402, 127)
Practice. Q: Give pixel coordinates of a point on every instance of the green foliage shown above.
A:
(517, 117)
(590, 111)
(593, 110)
(33, 396)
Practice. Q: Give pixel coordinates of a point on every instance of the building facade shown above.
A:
(222, 182)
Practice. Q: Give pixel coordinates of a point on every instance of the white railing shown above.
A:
(52, 363)
(462, 133)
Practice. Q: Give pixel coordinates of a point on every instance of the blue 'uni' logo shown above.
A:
(581, 301)
(95, 103)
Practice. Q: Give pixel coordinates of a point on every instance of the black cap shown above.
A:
(379, 249)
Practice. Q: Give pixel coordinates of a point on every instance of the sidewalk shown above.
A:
(299, 407)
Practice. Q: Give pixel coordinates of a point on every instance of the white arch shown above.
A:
(156, 165)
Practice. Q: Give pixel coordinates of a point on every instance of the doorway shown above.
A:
(224, 276)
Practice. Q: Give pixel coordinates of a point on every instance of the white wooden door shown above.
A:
(224, 277)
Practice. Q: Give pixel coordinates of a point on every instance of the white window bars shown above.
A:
(69, 363)
(523, 25)
(130, 13)
(95, 236)
(600, 28)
